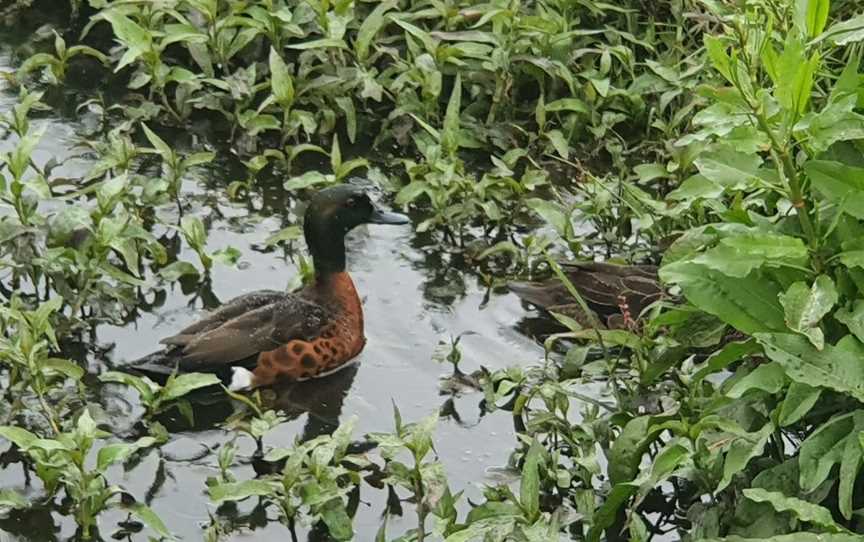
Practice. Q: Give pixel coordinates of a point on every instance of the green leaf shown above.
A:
(845, 32)
(174, 271)
(183, 384)
(291, 233)
(323, 43)
(450, 132)
(801, 509)
(840, 184)
(429, 43)
(281, 82)
(345, 168)
(12, 499)
(308, 179)
(837, 121)
(853, 318)
(137, 40)
(838, 368)
(805, 307)
(149, 518)
(559, 143)
(730, 353)
(370, 26)
(718, 55)
(800, 398)
(238, 491)
(198, 158)
(749, 304)
(604, 516)
(814, 14)
(794, 76)
(665, 463)
(227, 256)
(143, 385)
(742, 450)
(769, 377)
(68, 368)
(627, 450)
(20, 437)
(729, 168)
(529, 489)
(336, 518)
(552, 212)
(194, 232)
(346, 104)
(850, 465)
(825, 447)
(739, 255)
(411, 192)
(119, 452)
(162, 148)
(574, 105)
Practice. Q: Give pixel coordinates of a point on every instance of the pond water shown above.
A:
(414, 294)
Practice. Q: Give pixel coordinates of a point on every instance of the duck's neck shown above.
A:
(328, 253)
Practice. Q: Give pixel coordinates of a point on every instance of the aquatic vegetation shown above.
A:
(719, 142)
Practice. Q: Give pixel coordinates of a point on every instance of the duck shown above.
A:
(287, 336)
(615, 293)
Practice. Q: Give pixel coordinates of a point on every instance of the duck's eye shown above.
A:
(351, 202)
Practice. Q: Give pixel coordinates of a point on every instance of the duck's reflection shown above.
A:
(321, 399)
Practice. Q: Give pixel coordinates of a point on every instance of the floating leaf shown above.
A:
(238, 491)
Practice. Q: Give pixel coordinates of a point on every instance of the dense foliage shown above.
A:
(720, 139)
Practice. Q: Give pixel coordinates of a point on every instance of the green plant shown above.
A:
(316, 478)
(157, 399)
(55, 65)
(61, 462)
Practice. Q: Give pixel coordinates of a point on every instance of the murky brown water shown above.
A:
(414, 295)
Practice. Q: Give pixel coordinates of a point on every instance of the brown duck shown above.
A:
(617, 294)
(292, 336)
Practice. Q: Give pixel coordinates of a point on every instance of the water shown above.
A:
(415, 294)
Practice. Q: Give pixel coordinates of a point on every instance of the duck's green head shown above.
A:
(331, 214)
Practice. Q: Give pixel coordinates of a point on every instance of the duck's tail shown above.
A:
(161, 363)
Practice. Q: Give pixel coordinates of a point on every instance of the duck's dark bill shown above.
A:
(385, 217)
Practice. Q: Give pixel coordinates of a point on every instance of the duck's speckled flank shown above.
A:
(340, 341)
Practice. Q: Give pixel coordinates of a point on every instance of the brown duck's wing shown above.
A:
(614, 269)
(603, 286)
(232, 309)
(256, 331)
(548, 293)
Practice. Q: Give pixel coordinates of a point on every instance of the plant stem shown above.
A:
(789, 170)
(422, 512)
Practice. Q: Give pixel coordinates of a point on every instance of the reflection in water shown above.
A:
(34, 523)
(320, 399)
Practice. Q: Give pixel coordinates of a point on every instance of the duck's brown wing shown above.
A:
(232, 309)
(256, 331)
(603, 286)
